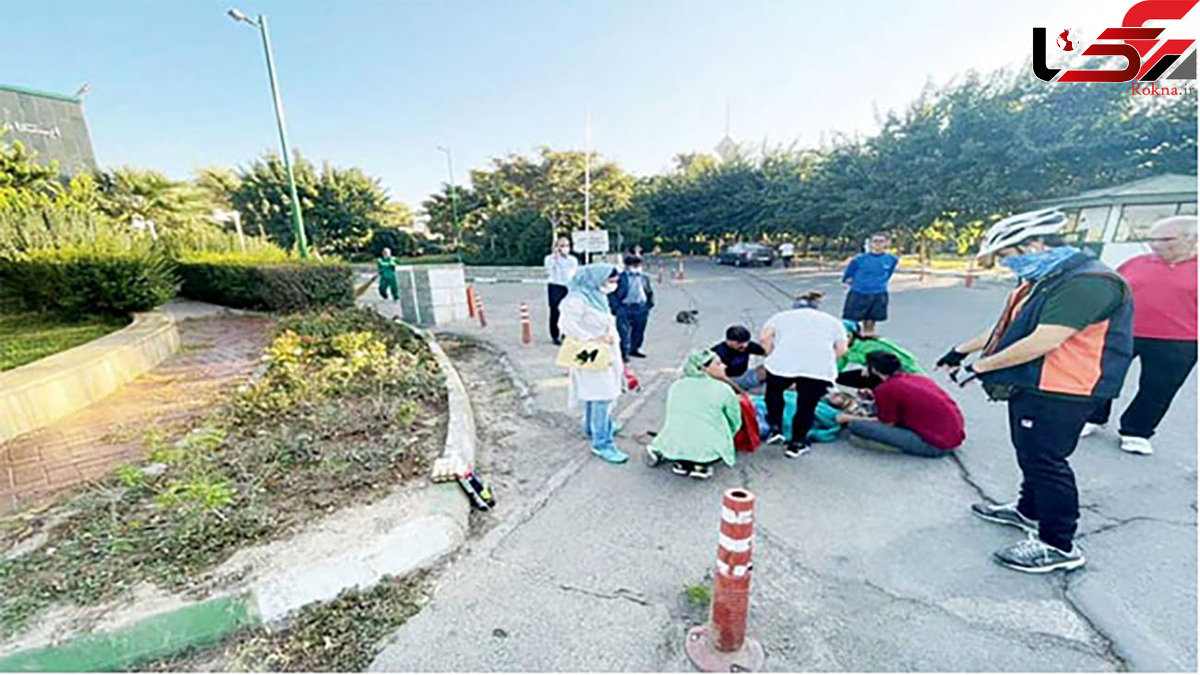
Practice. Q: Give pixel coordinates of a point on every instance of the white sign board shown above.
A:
(590, 241)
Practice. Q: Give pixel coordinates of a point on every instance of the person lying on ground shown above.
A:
(702, 417)
(735, 353)
(825, 428)
(913, 414)
(852, 366)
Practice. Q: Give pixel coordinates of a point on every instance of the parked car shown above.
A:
(745, 255)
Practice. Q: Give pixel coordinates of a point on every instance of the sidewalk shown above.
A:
(214, 350)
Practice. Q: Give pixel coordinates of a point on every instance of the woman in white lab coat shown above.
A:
(585, 315)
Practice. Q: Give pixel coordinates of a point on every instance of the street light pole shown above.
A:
(453, 200)
(297, 217)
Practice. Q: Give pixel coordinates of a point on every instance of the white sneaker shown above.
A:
(1137, 446)
(1089, 429)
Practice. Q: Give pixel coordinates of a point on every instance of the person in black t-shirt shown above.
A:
(735, 353)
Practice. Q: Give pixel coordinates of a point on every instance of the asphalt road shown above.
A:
(863, 561)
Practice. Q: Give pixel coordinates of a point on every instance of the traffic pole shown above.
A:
(721, 645)
(479, 311)
(471, 301)
(526, 325)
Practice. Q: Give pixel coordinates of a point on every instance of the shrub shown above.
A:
(279, 285)
(88, 280)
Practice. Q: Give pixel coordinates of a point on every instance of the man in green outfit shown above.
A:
(387, 275)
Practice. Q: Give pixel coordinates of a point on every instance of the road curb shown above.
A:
(425, 538)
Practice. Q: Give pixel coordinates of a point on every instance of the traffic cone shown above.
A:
(722, 645)
(526, 325)
(471, 301)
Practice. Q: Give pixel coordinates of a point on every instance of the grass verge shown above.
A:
(26, 337)
(349, 405)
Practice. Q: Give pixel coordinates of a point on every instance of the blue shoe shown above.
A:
(613, 456)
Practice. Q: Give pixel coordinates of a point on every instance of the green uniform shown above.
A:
(856, 354)
(387, 278)
(702, 417)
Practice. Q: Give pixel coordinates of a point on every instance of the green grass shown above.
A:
(28, 336)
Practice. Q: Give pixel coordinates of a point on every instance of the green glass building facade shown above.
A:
(51, 125)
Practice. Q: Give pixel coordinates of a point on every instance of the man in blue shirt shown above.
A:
(868, 275)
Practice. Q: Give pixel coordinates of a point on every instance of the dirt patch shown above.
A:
(519, 447)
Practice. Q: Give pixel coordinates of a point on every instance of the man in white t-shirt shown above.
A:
(787, 251)
(803, 346)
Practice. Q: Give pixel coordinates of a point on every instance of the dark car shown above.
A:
(745, 255)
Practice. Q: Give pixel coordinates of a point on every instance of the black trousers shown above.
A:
(808, 393)
(1166, 365)
(556, 293)
(631, 326)
(1045, 432)
(858, 379)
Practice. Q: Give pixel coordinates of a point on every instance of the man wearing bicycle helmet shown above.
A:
(1061, 346)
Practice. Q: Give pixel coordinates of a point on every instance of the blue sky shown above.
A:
(177, 85)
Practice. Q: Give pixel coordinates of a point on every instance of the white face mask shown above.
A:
(608, 287)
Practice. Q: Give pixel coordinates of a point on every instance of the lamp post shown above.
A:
(297, 217)
(453, 200)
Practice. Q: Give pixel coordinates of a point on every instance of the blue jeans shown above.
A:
(902, 440)
(598, 425)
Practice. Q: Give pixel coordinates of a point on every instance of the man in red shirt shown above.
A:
(1164, 330)
(913, 415)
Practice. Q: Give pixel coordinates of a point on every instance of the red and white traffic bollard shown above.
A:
(471, 301)
(660, 272)
(970, 280)
(526, 325)
(722, 645)
(679, 270)
(479, 311)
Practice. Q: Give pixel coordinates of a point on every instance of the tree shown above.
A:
(129, 195)
(342, 208)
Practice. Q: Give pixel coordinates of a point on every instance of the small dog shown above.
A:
(688, 316)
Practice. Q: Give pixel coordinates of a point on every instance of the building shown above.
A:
(1115, 221)
(50, 125)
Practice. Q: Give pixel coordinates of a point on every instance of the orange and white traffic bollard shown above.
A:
(679, 270)
(722, 644)
(970, 280)
(471, 301)
(479, 311)
(526, 325)
(922, 270)
(660, 272)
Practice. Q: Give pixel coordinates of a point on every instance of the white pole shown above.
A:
(587, 171)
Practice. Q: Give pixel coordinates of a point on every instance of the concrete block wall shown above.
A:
(432, 294)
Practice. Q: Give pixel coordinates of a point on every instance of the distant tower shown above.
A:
(727, 149)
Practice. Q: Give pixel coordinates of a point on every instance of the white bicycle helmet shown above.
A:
(1018, 228)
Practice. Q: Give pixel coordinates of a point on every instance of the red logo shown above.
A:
(1146, 57)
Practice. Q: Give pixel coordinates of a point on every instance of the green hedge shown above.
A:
(270, 286)
(79, 281)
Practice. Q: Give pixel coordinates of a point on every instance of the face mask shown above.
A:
(1034, 266)
(608, 287)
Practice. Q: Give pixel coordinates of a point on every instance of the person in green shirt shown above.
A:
(852, 366)
(702, 416)
(386, 265)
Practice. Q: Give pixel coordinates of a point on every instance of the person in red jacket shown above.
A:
(1164, 330)
(913, 414)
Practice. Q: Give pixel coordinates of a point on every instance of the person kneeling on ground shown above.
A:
(913, 415)
(735, 353)
(701, 419)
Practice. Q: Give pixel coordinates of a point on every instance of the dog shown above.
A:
(688, 316)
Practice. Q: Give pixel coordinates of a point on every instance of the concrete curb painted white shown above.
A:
(40, 393)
